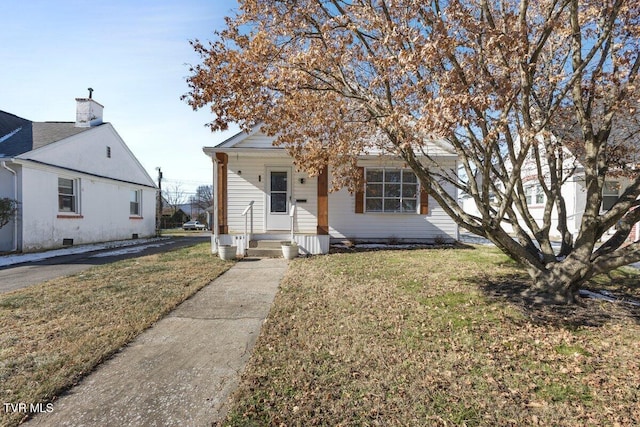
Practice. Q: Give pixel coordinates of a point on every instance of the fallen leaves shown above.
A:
(350, 349)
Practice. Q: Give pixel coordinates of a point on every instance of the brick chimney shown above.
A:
(88, 112)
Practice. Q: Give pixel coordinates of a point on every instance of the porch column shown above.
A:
(323, 202)
(221, 164)
(215, 240)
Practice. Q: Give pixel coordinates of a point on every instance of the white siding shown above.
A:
(246, 178)
(306, 212)
(576, 199)
(345, 223)
(245, 183)
(574, 195)
(256, 140)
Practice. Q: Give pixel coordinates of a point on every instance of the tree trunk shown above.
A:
(560, 282)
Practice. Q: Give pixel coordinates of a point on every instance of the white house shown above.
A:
(75, 183)
(573, 190)
(259, 195)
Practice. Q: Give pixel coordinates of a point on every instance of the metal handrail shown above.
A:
(247, 236)
(292, 214)
(249, 207)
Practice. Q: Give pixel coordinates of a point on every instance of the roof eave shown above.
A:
(211, 151)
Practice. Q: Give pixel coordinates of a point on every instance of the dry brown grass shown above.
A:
(437, 337)
(54, 333)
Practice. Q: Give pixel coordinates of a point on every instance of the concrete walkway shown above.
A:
(180, 371)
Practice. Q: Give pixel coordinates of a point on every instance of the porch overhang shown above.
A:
(281, 152)
(251, 152)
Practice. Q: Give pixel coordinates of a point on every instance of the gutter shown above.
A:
(216, 231)
(15, 215)
(21, 161)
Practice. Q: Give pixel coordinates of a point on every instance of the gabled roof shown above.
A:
(63, 145)
(258, 142)
(18, 135)
(236, 139)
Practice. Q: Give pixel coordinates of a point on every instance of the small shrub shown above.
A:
(8, 208)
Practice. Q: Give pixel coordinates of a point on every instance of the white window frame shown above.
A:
(137, 195)
(383, 197)
(75, 196)
(536, 191)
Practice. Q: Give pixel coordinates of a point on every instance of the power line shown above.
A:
(186, 181)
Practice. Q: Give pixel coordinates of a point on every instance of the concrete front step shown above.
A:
(265, 249)
(264, 253)
(265, 244)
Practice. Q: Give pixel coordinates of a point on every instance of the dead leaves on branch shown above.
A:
(402, 68)
(495, 80)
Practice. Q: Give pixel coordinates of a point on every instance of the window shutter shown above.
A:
(360, 192)
(424, 201)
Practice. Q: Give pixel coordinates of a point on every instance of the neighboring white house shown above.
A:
(259, 195)
(573, 190)
(75, 183)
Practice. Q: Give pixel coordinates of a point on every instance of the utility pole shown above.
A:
(159, 204)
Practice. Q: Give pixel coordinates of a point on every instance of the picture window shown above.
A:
(391, 191)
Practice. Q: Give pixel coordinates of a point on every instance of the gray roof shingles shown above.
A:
(18, 135)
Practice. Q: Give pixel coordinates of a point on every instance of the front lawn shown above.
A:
(53, 334)
(438, 337)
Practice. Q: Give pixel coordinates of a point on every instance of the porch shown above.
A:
(258, 204)
(268, 245)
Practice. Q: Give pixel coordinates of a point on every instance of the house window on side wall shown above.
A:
(68, 195)
(610, 194)
(391, 191)
(534, 194)
(134, 203)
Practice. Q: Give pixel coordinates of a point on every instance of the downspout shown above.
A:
(15, 215)
(216, 231)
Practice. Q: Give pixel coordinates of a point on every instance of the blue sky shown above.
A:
(134, 54)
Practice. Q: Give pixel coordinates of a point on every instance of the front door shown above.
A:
(278, 198)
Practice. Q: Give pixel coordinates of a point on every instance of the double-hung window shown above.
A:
(610, 194)
(68, 195)
(534, 194)
(134, 203)
(391, 190)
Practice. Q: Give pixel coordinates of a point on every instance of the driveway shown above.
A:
(28, 273)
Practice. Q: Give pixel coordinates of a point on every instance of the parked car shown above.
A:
(193, 225)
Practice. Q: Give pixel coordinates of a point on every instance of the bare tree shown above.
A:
(509, 84)
(203, 198)
(175, 196)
